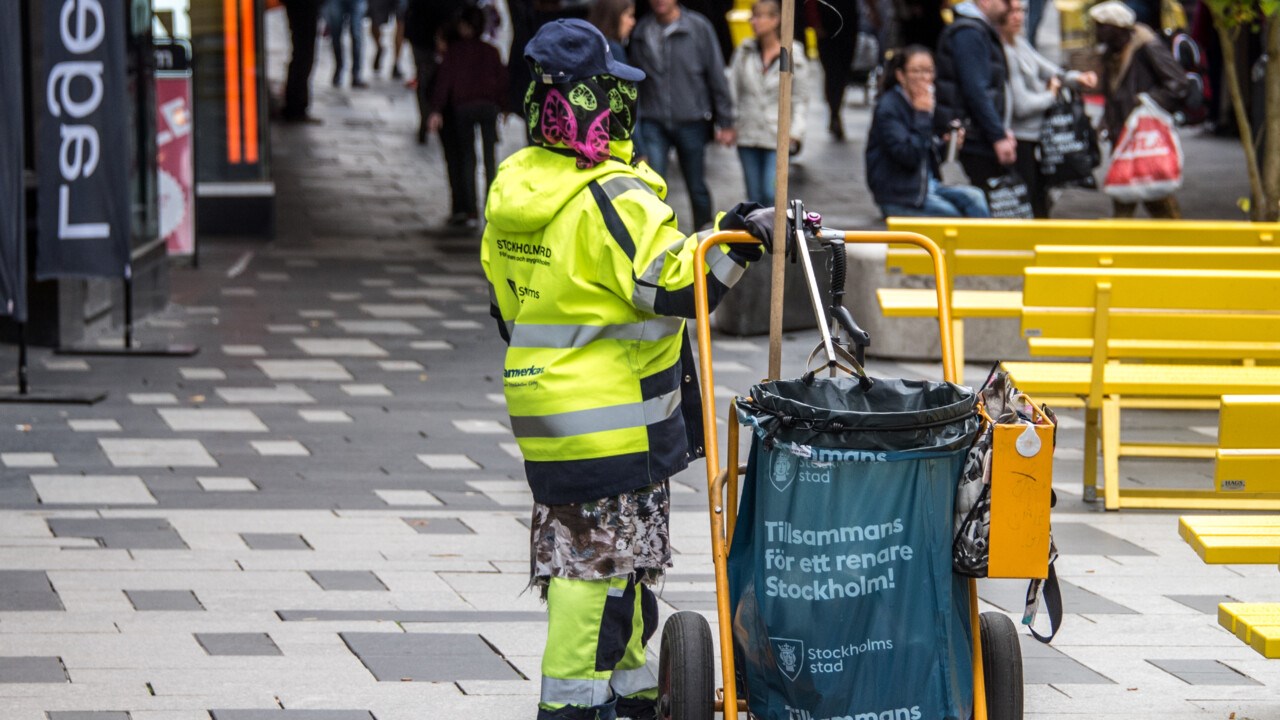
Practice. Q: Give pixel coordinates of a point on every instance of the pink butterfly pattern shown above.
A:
(559, 125)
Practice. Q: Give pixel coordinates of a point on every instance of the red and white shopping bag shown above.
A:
(1146, 162)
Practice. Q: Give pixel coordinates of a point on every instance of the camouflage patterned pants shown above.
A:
(607, 538)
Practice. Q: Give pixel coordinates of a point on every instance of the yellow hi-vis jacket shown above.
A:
(590, 281)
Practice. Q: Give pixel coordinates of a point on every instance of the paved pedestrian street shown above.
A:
(322, 515)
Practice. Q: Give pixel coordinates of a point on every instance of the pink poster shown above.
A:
(175, 164)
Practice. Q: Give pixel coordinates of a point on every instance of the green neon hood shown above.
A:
(535, 183)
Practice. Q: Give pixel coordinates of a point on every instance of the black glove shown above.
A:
(757, 221)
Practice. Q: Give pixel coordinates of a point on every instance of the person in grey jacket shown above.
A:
(754, 80)
(684, 95)
(1034, 85)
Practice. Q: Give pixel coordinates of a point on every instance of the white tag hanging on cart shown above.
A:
(1028, 443)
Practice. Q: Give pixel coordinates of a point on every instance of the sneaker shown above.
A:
(457, 220)
(396, 73)
(359, 84)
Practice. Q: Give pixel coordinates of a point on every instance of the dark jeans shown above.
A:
(944, 201)
(1028, 167)
(424, 62)
(349, 13)
(303, 16)
(690, 141)
(836, 55)
(458, 136)
(760, 171)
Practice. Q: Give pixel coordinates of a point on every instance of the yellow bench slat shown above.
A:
(1247, 470)
(1237, 549)
(1191, 258)
(1154, 289)
(1249, 421)
(918, 302)
(1195, 349)
(911, 260)
(1257, 624)
(1152, 380)
(1265, 640)
(1025, 234)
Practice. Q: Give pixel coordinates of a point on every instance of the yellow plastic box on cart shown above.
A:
(1021, 487)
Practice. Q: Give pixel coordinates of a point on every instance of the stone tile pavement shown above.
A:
(322, 515)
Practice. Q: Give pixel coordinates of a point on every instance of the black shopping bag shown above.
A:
(1068, 144)
(1008, 197)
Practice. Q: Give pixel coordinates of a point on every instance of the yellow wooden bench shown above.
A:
(1240, 540)
(1150, 334)
(1006, 247)
(1248, 456)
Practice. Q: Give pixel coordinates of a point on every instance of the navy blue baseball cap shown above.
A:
(571, 50)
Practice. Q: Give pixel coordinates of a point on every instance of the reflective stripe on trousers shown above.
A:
(596, 643)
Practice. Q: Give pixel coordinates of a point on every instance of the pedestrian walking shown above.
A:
(381, 13)
(1135, 61)
(303, 17)
(615, 19)
(972, 77)
(422, 24)
(470, 90)
(1034, 86)
(590, 282)
(835, 22)
(348, 14)
(902, 151)
(684, 99)
(755, 76)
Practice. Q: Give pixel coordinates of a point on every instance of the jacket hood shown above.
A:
(533, 185)
(970, 9)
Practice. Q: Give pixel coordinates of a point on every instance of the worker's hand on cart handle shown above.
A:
(757, 221)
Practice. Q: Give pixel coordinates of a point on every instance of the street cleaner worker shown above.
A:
(591, 282)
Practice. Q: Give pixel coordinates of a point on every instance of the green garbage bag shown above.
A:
(844, 602)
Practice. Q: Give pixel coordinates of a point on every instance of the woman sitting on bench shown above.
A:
(902, 151)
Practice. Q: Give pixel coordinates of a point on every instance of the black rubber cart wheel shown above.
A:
(1001, 666)
(686, 669)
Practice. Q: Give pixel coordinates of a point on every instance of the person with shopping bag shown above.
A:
(590, 284)
(1035, 86)
(1143, 84)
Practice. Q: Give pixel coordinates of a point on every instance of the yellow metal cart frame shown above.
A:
(722, 481)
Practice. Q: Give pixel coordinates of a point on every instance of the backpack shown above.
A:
(1187, 52)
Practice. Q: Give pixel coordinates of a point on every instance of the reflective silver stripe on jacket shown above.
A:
(583, 693)
(645, 294)
(630, 682)
(575, 336)
(723, 267)
(618, 184)
(583, 422)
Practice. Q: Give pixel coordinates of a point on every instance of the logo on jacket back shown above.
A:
(788, 654)
(524, 251)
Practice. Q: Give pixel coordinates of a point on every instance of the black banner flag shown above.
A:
(82, 150)
(13, 266)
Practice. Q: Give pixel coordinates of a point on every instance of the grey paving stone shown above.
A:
(237, 643)
(27, 591)
(1010, 596)
(439, 526)
(1204, 672)
(291, 715)
(174, 600)
(88, 715)
(126, 533)
(1044, 665)
(1207, 604)
(428, 657)
(1082, 539)
(32, 670)
(403, 616)
(275, 541)
(346, 580)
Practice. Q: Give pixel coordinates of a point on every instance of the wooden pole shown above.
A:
(783, 165)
